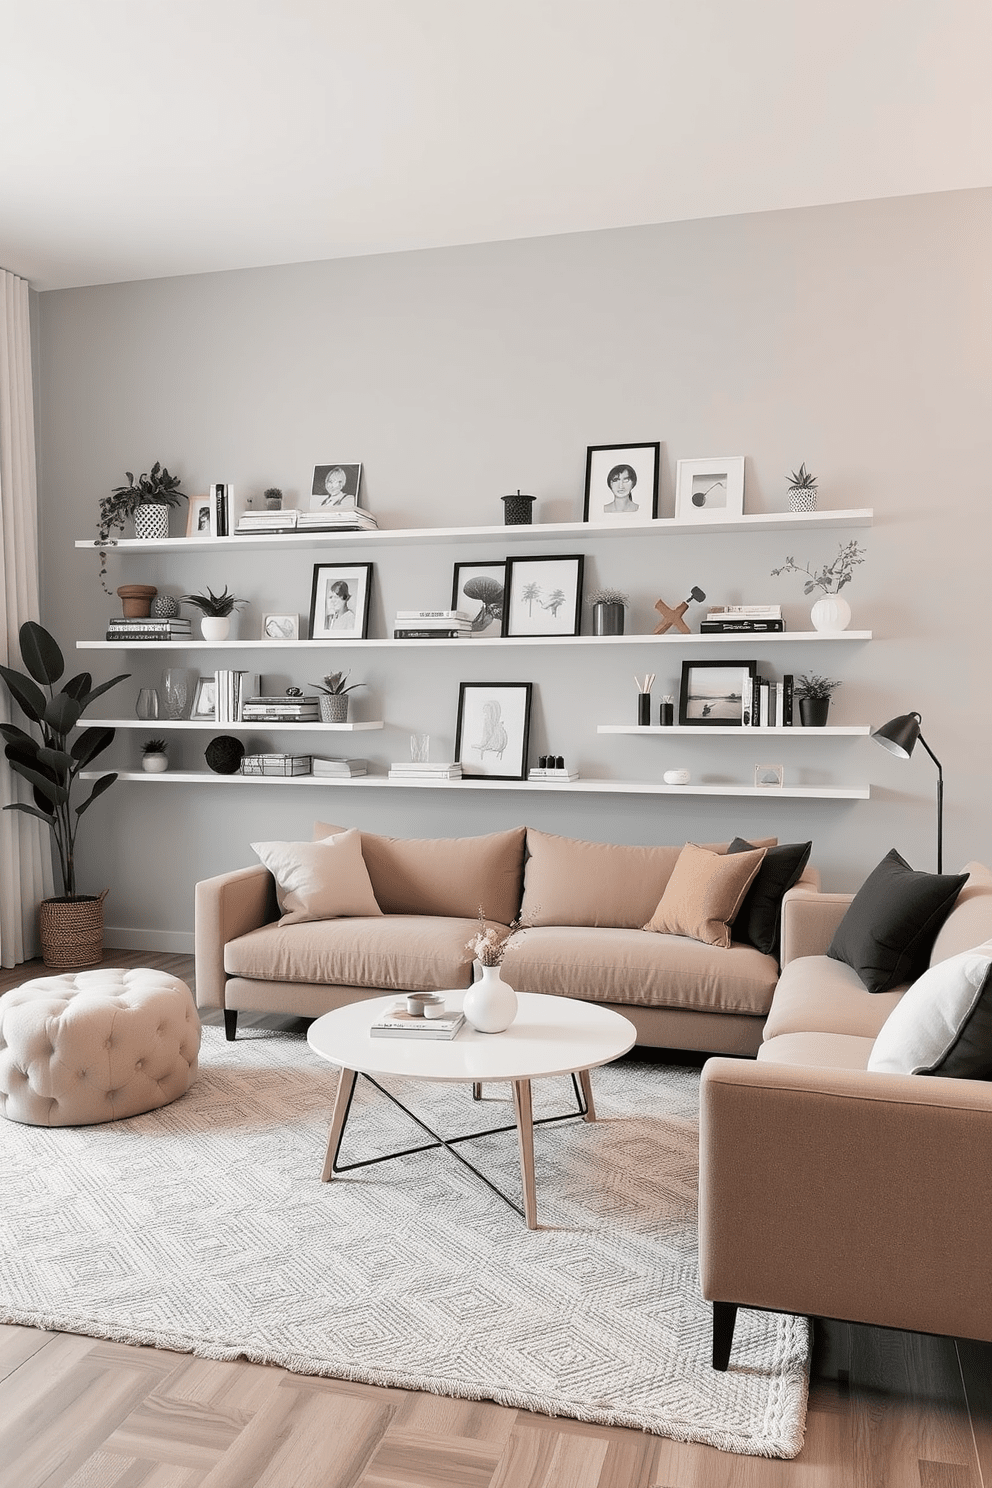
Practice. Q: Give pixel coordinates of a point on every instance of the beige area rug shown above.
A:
(204, 1228)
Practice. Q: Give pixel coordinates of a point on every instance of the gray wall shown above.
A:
(856, 338)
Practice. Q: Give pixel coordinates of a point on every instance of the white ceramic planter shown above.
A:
(215, 627)
(831, 613)
(490, 1003)
(151, 521)
(154, 764)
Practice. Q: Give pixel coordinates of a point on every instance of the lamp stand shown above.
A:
(940, 805)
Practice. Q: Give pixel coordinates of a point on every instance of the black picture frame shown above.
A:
(711, 694)
(493, 718)
(489, 620)
(543, 596)
(356, 580)
(602, 461)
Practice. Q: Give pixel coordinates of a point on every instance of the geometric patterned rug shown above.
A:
(203, 1227)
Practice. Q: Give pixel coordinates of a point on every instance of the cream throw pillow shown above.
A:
(704, 893)
(324, 880)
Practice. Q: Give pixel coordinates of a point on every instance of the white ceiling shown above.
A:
(141, 138)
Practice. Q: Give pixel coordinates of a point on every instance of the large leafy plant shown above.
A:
(52, 765)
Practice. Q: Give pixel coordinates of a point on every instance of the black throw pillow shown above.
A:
(888, 932)
(759, 918)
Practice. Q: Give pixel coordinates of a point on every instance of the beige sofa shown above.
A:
(584, 905)
(831, 1190)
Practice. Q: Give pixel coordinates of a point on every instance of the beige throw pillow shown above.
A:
(324, 880)
(704, 893)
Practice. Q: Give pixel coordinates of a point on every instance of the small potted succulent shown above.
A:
(608, 606)
(334, 699)
(813, 693)
(272, 496)
(802, 490)
(153, 756)
(830, 612)
(147, 500)
(216, 610)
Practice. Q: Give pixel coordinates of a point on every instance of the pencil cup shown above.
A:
(643, 708)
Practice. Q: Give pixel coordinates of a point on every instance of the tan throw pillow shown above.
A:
(325, 880)
(704, 893)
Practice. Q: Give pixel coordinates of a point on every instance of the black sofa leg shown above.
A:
(230, 1024)
(724, 1318)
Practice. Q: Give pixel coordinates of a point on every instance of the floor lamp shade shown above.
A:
(900, 737)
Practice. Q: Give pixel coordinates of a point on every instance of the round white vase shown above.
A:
(154, 764)
(831, 613)
(490, 1003)
(215, 627)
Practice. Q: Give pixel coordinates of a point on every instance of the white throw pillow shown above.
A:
(943, 1023)
(325, 880)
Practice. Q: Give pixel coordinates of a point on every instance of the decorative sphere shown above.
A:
(165, 607)
(224, 754)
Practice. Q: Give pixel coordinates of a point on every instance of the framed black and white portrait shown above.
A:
(205, 700)
(543, 596)
(339, 601)
(477, 589)
(199, 518)
(280, 627)
(493, 728)
(713, 693)
(336, 487)
(709, 490)
(621, 482)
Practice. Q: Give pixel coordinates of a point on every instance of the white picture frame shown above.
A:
(709, 490)
(277, 625)
(204, 709)
(200, 517)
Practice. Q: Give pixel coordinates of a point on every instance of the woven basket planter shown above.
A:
(71, 930)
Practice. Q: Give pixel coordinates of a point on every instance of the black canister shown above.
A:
(517, 510)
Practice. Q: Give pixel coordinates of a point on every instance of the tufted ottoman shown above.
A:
(95, 1046)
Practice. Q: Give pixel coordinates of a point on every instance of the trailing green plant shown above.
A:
(214, 604)
(809, 685)
(608, 596)
(154, 488)
(802, 479)
(154, 746)
(333, 684)
(52, 766)
(833, 576)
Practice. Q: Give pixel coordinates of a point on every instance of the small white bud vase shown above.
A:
(490, 1003)
(215, 627)
(831, 613)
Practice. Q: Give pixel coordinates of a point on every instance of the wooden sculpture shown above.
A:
(671, 617)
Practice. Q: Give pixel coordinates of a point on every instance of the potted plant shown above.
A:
(272, 496)
(608, 607)
(216, 610)
(802, 490)
(830, 612)
(334, 698)
(814, 699)
(153, 756)
(70, 926)
(147, 500)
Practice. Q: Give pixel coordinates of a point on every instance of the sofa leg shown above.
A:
(230, 1024)
(724, 1318)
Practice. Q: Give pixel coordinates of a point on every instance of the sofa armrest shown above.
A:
(840, 1193)
(227, 906)
(809, 920)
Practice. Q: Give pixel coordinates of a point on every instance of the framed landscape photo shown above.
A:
(543, 596)
(709, 490)
(621, 482)
(336, 487)
(200, 518)
(712, 693)
(478, 589)
(493, 728)
(205, 700)
(339, 601)
(280, 627)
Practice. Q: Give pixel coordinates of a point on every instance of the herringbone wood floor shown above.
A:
(887, 1410)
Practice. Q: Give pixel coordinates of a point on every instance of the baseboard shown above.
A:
(177, 942)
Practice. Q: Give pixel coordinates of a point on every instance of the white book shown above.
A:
(412, 1025)
(420, 767)
(433, 615)
(747, 701)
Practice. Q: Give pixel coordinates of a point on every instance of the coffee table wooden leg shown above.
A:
(342, 1104)
(586, 1084)
(524, 1111)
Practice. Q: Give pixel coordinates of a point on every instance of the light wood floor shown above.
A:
(887, 1410)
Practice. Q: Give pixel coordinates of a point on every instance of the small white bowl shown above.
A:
(677, 777)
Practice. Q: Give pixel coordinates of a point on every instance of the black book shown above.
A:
(725, 627)
(220, 509)
(788, 693)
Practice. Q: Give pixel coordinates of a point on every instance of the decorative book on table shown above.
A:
(410, 770)
(343, 768)
(398, 1023)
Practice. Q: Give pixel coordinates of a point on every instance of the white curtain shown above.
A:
(25, 844)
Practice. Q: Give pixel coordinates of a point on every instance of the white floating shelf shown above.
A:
(261, 725)
(739, 641)
(663, 527)
(597, 787)
(846, 730)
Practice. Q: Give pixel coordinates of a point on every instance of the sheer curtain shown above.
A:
(25, 847)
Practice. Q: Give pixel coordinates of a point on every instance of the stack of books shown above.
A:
(231, 688)
(408, 770)
(342, 769)
(427, 625)
(260, 709)
(725, 619)
(347, 519)
(123, 628)
(768, 704)
(268, 521)
(553, 774)
(398, 1023)
(275, 764)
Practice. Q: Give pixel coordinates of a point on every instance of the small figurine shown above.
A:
(673, 616)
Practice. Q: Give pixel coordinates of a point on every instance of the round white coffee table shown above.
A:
(549, 1036)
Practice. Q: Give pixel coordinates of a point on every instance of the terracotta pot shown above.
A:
(136, 600)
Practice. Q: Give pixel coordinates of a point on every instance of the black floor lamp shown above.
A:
(899, 736)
